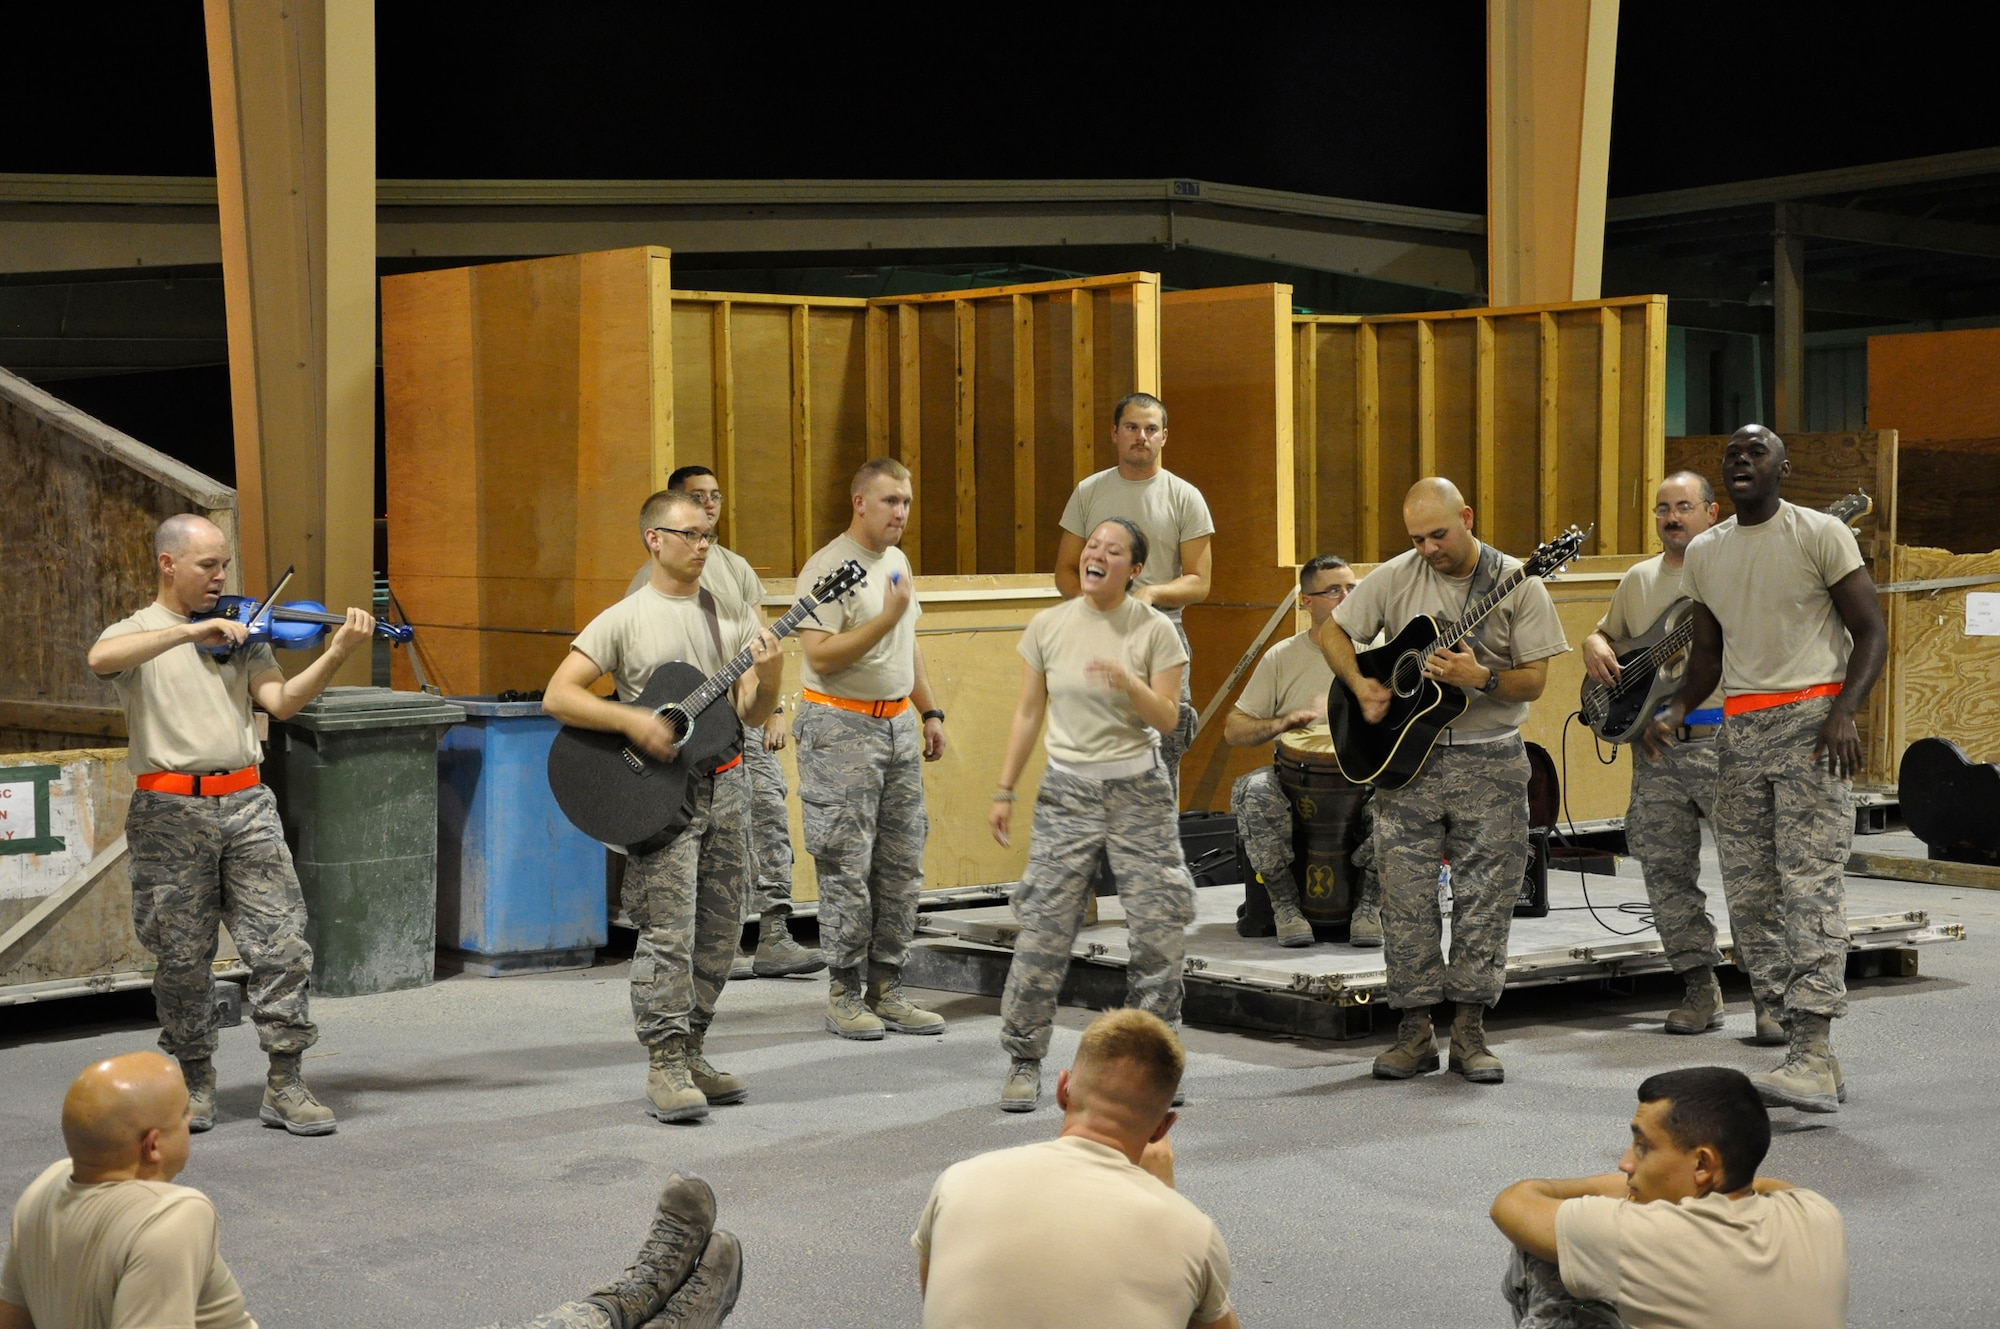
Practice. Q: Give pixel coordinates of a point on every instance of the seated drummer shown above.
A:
(1286, 691)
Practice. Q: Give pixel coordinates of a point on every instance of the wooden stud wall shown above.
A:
(1544, 416)
(1941, 683)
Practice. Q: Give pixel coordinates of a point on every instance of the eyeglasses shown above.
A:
(1680, 509)
(1331, 593)
(695, 538)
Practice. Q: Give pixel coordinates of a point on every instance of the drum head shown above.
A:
(1311, 746)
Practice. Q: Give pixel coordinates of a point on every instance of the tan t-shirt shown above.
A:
(1088, 721)
(118, 1254)
(1767, 586)
(648, 628)
(889, 670)
(726, 574)
(1292, 676)
(1775, 1261)
(1522, 630)
(1066, 1232)
(1646, 591)
(185, 710)
(1167, 508)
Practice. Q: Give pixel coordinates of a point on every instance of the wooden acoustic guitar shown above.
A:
(618, 795)
(1652, 664)
(1390, 752)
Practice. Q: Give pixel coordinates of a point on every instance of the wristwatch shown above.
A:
(934, 715)
(1492, 682)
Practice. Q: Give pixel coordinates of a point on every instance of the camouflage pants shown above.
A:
(1264, 819)
(1133, 821)
(1367, 881)
(861, 790)
(770, 829)
(1783, 828)
(686, 900)
(1469, 805)
(1670, 796)
(1174, 746)
(1534, 1289)
(199, 862)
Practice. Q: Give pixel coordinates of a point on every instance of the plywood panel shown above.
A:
(1948, 495)
(1055, 422)
(760, 343)
(1396, 377)
(938, 350)
(839, 411)
(1114, 370)
(1935, 385)
(695, 400)
(1335, 472)
(430, 419)
(1577, 426)
(615, 393)
(1454, 409)
(1947, 684)
(1515, 523)
(993, 434)
(1639, 478)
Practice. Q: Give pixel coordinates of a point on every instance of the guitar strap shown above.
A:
(1485, 576)
(707, 602)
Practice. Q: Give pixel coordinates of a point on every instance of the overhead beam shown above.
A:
(1890, 230)
(1628, 273)
(1809, 184)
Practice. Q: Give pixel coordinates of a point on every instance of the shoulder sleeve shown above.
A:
(167, 1267)
(1691, 563)
(1075, 513)
(10, 1277)
(1537, 629)
(921, 1238)
(1836, 550)
(752, 587)
(1617, 620)
(600, 640)
(1165, 647)
(639, 578)
(261, 660)
(1260, 695)
(1031, 648)
(738, 624)
(1587, 1246)
(832, 615)
(1215, 1274)
(1195, 519)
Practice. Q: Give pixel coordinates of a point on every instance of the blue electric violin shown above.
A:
(293, 625)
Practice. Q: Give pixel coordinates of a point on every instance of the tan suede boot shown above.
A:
(1469, 1055)
(718, 1087)
(289, 1104)
(1415, 1049)
(670, 1090)
(1701, 1009)
(199, 1073)
(846, 1013)
(893, 1009)
(1769, 1032)
(1807, 1080)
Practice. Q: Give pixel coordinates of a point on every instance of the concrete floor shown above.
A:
(493, 1159)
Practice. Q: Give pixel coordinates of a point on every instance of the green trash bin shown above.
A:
(355, 773)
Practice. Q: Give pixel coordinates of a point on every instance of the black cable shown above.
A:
(1633, 908)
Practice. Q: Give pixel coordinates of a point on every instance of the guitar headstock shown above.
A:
(1550, 556)
(842, 581)
(1852, 508)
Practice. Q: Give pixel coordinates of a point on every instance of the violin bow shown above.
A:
(271, 600)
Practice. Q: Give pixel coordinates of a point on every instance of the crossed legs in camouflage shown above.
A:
(777, 953)
(1134, 820)
(1535, 1292)
(1783, 828)
(198, 862)
(686, 900)
(687, 1274)
(861, 793)
(1671, 795)
(1468, 804)
(1264, 818)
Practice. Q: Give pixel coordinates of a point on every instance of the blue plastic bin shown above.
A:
(520, 890)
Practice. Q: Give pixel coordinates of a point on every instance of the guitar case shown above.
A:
(1949, 802)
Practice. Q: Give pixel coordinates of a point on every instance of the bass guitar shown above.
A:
(1390, 752)
(617, 794)
(1651, 665)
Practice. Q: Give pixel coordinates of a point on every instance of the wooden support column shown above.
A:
(803, 541)
(1305, 435)
(1655, 410)
(1788, 325)
(965, 344)
(1427, 400)
(1082, 387)
(875, 391)
(722, 360)
(1368, 443)
(1549, 66)
(292, 93)
(1608, 407)
(910, 426)
(1024, 434)
(1548, 442)
(1485, 444)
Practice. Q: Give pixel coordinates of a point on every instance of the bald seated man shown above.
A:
(103, 1237)
(1085, 1228)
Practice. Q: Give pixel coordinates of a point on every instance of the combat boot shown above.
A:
(1415, 1049)
(670, 1090)
(893, 1009)
(1023, 1090)
(1807, 1081)
(199, 1072)
(1768, 1031)
(288, 1103)
(718, 1087)
(668, 1256)
(1469, 1056)
(778, 955)
(743, 966)
(1364, 927)
(1090, 910)
(1293, 929)
(1701, 1009)
(846, 1013)
(709, 1293)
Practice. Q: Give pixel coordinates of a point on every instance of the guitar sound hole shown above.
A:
(1409, 673)
(676, 717)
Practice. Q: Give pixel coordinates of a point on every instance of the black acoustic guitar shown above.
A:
(616, 794)
(1390, 752)
(1651, 664)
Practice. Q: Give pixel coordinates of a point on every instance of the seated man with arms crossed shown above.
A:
(1085, 1228)
(1685, 1233)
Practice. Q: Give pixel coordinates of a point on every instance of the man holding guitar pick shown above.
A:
(1786, 620)
(685, 896)
(1674, 789)
(1468, 803)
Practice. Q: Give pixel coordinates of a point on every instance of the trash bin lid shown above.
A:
(344, 709)
(505, 710)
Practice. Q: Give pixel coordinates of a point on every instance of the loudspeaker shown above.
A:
(1534, 901)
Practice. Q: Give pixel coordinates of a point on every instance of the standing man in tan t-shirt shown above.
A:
(861, 751)
(1673, 789)
(685, 896)
(207, 846)
(1786, 620)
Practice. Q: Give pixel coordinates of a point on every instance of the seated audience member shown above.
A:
(103, 1237)
(1685, 1233)
(1085, 1228)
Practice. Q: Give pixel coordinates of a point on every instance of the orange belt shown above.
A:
(207, 786)
(729, 765)
(881, 710)
(1744, 703)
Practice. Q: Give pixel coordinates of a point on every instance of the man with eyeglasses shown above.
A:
(684, 897)
(1673, 792)
(1287, 691)
(727, 574)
